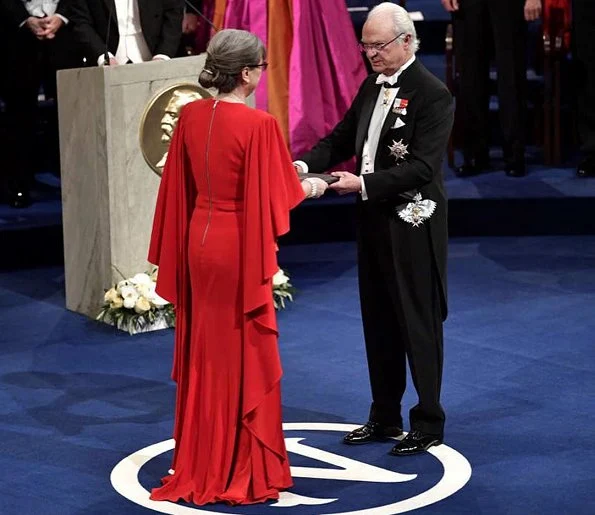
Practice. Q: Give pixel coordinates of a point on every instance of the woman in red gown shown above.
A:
(224, 199)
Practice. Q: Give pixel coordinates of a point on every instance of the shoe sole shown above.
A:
(372, 440)
(410, 453)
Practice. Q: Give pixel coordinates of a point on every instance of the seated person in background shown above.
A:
(138, 31)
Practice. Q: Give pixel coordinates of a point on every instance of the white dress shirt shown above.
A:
(384, 102)
(132, 45)
(42, 8)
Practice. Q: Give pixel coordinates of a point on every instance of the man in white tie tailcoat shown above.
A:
(128, 30)
(397, 127)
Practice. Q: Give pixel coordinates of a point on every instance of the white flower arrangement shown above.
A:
(282, 289)
(133, 305)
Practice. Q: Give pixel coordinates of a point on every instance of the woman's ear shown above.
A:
(245, 76)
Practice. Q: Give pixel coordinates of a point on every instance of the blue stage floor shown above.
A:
(77, 397)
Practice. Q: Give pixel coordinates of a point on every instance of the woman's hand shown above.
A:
(314, 187)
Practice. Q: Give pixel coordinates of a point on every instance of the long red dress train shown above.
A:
(217, 219)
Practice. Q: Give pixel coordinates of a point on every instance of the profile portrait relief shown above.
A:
(179, 99)
(160, 119)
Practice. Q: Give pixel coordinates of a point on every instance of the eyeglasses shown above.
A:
(377, 47)
(264, 66)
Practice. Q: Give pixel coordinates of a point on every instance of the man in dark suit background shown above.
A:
(583, 15)
(37, 38)
(190, 25)
(140, 30)
(397, 127)
(479, 25)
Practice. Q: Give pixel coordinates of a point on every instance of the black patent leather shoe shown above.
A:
(586, 168)
(414, 443)
(371, 432)
(516, 169)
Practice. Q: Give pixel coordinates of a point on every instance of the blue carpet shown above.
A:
(77, 397)
(46, 210)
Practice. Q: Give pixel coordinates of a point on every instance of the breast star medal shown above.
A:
(418, 211)
(398, 149)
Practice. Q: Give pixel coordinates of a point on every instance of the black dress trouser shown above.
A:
(584, 27)
(480, 27)
(402, 318)
(28, 64)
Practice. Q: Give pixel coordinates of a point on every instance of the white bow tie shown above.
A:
(383, 78)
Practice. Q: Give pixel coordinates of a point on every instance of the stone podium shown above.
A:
(109, 185)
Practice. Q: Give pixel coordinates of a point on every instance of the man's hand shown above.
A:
(532, 10)
(298, 168)
(51, 24)
(450, 5)
(348, 183)
(189, 23)
(36, 26)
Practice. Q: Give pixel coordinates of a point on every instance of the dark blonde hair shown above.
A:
(228, 53)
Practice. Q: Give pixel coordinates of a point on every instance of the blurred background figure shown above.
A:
(128, 30)
(191, 24)
(481, 25)
(584, 27)
(38, 38)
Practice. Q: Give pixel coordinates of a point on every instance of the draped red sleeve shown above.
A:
(271, 190)
(168, 247)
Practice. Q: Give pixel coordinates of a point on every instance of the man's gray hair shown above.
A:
(401, 20)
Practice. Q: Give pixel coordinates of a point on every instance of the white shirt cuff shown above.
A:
(162, 56)
(302, 165)
(363, 192)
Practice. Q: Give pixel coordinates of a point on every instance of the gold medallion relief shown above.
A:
(160, 118)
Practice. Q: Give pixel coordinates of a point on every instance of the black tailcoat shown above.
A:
(402, 268)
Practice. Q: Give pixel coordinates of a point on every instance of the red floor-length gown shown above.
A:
(214, 239)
